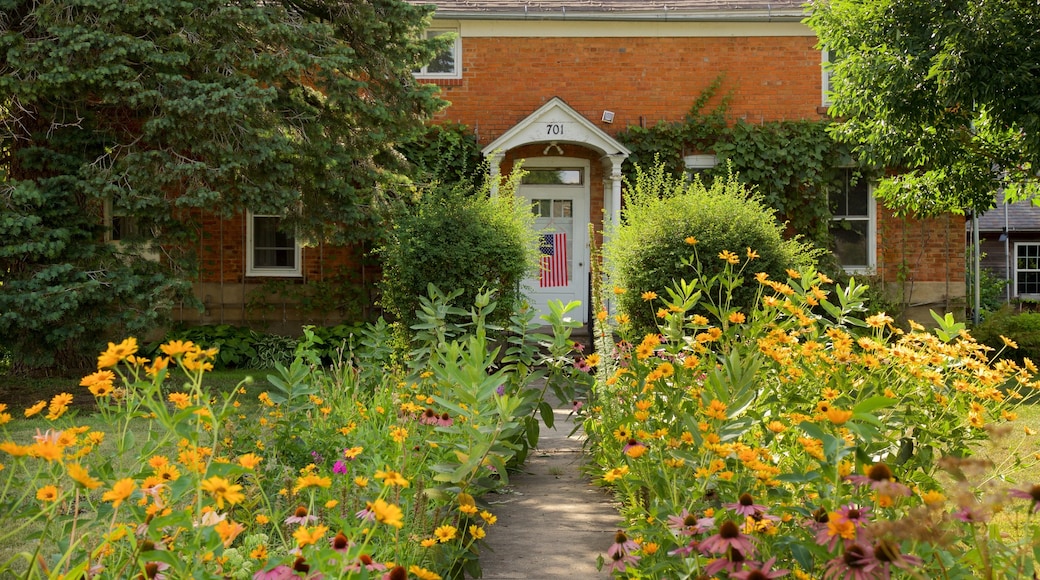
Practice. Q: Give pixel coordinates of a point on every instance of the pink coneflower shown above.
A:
(576, 406)
(429, 417)
(728, 538)
(880, 478)
(366, 515)
(857, 563)
(746, 506)
(859, 516)
(341, 543)
(280, 572)
(300, 516)
(684, 551)
(1032, 493)
(620, 552)
(763, 571)
(445, 420)
(340, 467)
(888, 554)
(634, 448)
(366, 562)
(687, 524)
(732, 562)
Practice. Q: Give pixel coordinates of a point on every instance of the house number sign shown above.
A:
(554, 129)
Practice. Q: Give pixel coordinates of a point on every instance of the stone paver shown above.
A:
(552, 522)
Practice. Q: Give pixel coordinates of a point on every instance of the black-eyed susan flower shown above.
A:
(120, 491)
(222, 490)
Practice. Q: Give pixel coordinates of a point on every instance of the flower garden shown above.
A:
(801, 436)
(795, 437)
(358, 469)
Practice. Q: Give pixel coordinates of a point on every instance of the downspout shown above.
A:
(977, 263)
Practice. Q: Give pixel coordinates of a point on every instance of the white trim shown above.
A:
(556, 122)
(871, 219)
(825, 77)
(251, 270)
(1014, 270)
(581, 222)
(456, 51)
(618, 29)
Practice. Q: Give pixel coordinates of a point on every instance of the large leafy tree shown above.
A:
(947, 91)
(162, 108)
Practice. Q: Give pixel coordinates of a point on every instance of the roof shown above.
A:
(1022, 216)
(616, 9)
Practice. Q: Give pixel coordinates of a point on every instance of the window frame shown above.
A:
(698, 164)
(456, 51)
(276, 272)
(1014, 262)
(142, 244)
(825, 77)
(871, 220)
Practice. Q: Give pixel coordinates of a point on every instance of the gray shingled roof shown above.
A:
(1022, 216)
(604, 8)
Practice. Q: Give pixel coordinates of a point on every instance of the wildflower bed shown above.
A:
(362, 469)
(800, 436)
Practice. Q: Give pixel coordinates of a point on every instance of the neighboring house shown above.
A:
(553, 83)
(1009, 236)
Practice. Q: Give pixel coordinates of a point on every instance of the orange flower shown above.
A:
(305, 536)
(117, 352)
(228, 531)
(222, 490)
(35, 408)
(177, 347)
(120, 491)
(80, 475)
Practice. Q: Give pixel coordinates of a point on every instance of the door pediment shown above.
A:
(556, 121)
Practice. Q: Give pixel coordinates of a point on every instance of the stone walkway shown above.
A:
(552, 522)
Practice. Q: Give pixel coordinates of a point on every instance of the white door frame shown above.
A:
(579, 287)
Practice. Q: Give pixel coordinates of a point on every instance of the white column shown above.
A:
(495, 169)
(615, 194)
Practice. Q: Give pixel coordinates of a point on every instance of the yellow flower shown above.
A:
(177, 347)
(311, 480)
(48, 493)
(776, 427)
(59, 404)
(428, 542)
(649, 295)
(615, 474)
(305, 536)
(392, 478)
(250, 460)
(1008, 342)
(222, 490)
(618, 291)
(752, 254)
(398, 434)
(488, 517)
(469, 510)
(179, 400)
(879, 320)
(386, 513)
(445, 533)
(737, 318)
(838, 416)
(100, 377)
(262, 519)
(117, 352)
(422, 573)
(933, 498)
(691, 240)
(80, 475)
(793, 274)
(729, 257)
(120, 491)
(592, 360)
(259, 553)
(477, 532)
(228, 531)
(353, 452)
(361, 481)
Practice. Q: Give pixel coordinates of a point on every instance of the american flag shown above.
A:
(553, 267)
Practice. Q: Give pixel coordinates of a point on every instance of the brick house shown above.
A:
(553, 82)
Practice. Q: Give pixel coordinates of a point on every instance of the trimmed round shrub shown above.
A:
(647, 251)
(458, 238)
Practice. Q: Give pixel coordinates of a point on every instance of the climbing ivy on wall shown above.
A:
(793, 165)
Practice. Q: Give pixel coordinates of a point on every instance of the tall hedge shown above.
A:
(458, 237)
(647, 250)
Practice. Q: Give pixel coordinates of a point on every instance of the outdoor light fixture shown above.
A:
(608, 116)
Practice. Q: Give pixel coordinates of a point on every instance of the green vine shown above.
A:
(793, 165)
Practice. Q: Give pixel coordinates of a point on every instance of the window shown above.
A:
(698, 164)
(1027, 269)
(827, 57)
(270, 251)
(552, 177)
(129, 233)
(853, 225)
(446, 65)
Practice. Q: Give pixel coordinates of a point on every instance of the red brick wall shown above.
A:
(640, 79)
(913, 252)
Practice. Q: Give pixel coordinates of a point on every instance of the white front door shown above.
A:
(559, 199)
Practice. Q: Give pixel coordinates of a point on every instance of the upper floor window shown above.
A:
(129, 233)
(827, 57)
(853, 224)
(447, 64)
(269, 250)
